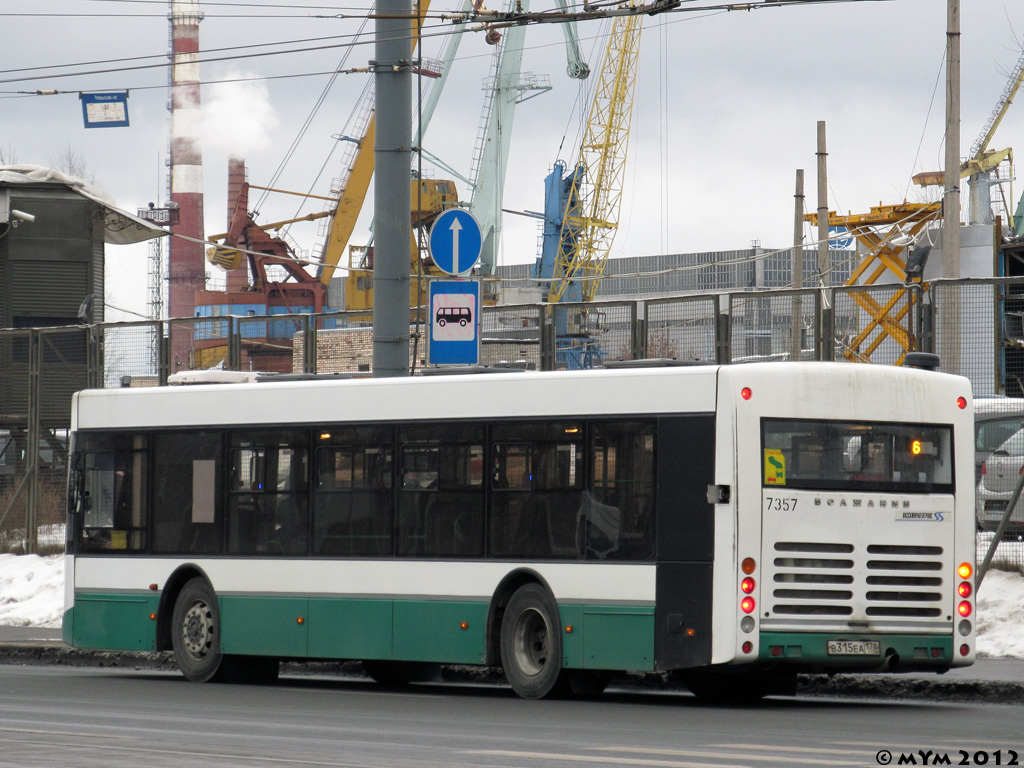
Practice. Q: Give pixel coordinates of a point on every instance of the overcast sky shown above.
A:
(725, 111)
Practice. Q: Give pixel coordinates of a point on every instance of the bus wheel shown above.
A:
(195, 632)
(531, 644)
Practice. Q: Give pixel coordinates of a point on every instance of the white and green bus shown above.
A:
(734, 525)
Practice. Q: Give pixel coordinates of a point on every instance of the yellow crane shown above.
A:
(982, 161)
(591, 213)
(429, 198)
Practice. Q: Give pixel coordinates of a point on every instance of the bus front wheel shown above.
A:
(195, 634)
(531, 644)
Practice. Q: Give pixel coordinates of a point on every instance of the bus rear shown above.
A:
(852, 508)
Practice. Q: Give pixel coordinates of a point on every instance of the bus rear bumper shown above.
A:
(835, 652)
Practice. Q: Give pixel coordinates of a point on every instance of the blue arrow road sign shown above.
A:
(455, 241)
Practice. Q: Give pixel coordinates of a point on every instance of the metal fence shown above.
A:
(976, 326)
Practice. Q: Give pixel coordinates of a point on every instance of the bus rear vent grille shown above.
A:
(817, 579)
(811, 579)
(904, 581)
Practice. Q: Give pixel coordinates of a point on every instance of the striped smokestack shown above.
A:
(187, 263)
(237, 278)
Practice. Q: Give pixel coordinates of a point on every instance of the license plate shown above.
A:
(853, 648)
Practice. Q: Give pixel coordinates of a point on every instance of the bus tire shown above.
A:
(531, 644)
(195, 632)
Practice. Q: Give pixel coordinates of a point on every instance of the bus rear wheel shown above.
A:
(531, 644)
(195, 632)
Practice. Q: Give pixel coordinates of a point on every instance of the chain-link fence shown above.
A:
(975, 326)
(683, 328)
(42, 368)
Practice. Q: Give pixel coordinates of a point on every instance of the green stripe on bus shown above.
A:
(450, 632)
(116, 622)
(441, 631)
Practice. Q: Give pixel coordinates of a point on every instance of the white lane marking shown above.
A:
(551, 757)
(731, 755)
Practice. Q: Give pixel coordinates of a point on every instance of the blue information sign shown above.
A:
(454, 321)
(455, 241)
(839, 243)
(105, 110)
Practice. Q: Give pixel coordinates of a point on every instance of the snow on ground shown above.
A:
(32, 595)
(1001, 615)
(31, 590)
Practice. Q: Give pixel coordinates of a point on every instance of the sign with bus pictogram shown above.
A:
(454, 320)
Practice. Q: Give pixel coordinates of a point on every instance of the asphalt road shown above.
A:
(64, 716)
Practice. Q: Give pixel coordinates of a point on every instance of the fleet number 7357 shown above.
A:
(777, 504)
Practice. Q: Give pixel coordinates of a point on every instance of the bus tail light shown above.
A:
(747, 604)
(964, 609)
(748, 647)
(746, 393)
(964, 590)
(961, 402)
(965, 649)
(748, 584)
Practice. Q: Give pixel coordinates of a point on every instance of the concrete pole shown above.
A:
(798, 267)
(949, 332)
(951, 198)
(824, 268)
(391, 195)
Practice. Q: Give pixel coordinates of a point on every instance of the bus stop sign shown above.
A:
(454, 321)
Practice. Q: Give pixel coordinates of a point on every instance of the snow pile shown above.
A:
(31, 590)
(32, 595)
(1001, 615)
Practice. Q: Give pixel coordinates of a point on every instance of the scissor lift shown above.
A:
(876, 232)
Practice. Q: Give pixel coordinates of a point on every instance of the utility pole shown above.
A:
(824, 268)
(951, 196)
(391, 196)
(798, 268)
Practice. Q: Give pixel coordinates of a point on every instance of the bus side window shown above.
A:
(617, 511)
(268, 508)
(187, 506)
(113, 495)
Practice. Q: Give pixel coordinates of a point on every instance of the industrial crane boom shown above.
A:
(591, 214)
(982, 160)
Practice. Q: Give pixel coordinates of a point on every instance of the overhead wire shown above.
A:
(306, 124)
